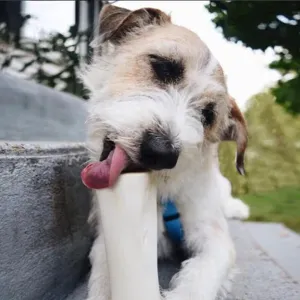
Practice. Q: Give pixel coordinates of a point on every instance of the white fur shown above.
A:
(234, 208)
(201, 193)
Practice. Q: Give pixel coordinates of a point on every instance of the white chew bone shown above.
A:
(129, 222)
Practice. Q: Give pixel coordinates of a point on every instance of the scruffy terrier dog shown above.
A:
(159, 102)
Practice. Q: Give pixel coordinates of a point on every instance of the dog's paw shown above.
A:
(237, 209)
(225, 290)
(170, 295)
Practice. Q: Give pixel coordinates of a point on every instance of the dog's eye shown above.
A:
(166, 70)
(208, 114)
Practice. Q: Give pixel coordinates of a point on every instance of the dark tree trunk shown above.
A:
(11, 16)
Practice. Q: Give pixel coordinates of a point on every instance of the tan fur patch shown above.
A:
(218, 74)
(116, 22)
(170, 41)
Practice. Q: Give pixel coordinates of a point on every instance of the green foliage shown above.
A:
(55, 50)
(282, 205)
(263, 24)
(272, 157)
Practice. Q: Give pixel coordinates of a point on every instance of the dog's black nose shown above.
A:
(157, 152)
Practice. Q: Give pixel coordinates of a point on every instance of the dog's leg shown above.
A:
(233, 208)
(212, 253)
(98, 285)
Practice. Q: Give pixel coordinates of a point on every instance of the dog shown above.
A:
(159, 103)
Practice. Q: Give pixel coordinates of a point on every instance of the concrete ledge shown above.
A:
(260, 277)
(44, 207)
(31, 111)
(280, 243)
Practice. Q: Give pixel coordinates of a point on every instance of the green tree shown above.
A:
(272, 159)
(263, 24)
(57, 50)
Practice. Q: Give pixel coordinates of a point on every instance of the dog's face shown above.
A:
(157, 92)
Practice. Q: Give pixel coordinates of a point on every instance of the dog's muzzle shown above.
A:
(157, 151)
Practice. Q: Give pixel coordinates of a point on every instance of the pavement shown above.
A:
(268, 259)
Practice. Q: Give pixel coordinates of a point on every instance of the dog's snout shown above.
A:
(157, 152)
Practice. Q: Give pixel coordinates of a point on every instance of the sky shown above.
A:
(246, 70)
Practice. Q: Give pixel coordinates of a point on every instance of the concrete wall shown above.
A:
(44, 235)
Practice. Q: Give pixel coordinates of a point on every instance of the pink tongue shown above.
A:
(104, 174)
(118, 163)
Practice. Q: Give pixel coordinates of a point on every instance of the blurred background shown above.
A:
(257, 43)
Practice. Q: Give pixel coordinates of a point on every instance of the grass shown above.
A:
(272, 184)
(281, 205)
(272, 157)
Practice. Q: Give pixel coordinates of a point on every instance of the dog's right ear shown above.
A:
(116, 22)
(237, 131)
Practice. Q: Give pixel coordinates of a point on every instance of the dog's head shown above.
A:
(157, 92)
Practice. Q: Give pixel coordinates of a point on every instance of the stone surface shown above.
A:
(259, 278)
(44, 236)
(281, 243)
(33, 112)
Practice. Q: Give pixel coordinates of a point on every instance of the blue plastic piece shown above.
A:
(172, 222)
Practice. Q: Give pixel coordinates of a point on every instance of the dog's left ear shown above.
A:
(117, 23)
(237, 131)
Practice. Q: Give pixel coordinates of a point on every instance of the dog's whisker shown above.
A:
(90, 149)
(86, 163)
